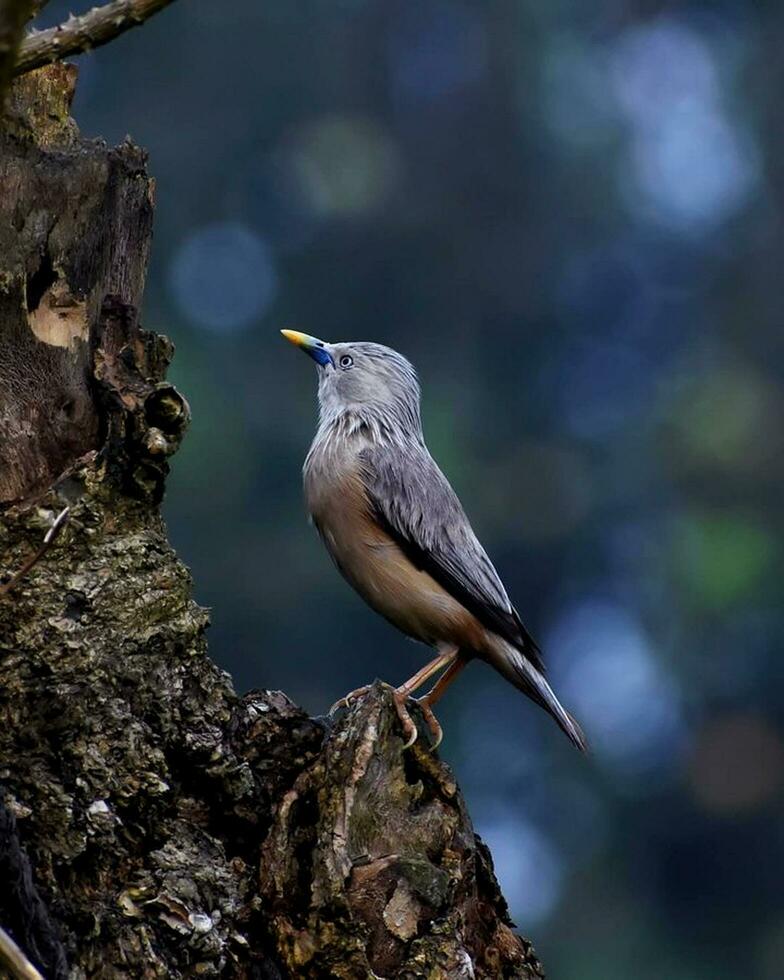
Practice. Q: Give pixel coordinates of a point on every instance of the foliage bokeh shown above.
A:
(568, 216)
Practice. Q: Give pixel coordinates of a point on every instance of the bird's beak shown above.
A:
(317, 349)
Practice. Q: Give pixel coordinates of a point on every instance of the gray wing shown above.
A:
(414, 502)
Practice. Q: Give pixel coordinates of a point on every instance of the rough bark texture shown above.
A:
(13, 16)
(153, 823)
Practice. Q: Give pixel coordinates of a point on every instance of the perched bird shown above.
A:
(397, 532)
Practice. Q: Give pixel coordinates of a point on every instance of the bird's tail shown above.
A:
(514, 666)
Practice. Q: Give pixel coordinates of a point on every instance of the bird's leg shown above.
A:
(437, 690)
(446, 658)
(434, 694)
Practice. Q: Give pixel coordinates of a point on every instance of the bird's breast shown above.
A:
(337, 501)
(375, 564)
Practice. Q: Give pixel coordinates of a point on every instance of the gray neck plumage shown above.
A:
(368, 425)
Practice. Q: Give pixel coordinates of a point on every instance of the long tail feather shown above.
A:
(526, 678)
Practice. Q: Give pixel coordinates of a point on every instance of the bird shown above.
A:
(398, 533)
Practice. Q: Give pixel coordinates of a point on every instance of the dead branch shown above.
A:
(51, 535)
(78, 34)
(14, 960)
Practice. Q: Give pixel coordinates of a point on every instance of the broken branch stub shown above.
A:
(372, 867)
(74, 364)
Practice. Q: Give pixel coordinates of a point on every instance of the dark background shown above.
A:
(568, 216)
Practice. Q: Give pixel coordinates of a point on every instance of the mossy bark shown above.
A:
(153, 823)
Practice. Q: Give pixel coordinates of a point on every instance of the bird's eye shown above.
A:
(346, 361)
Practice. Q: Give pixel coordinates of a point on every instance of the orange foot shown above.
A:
(432, 722)
(409, 728)
(400, 696)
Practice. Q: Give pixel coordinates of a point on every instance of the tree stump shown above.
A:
(153, 822)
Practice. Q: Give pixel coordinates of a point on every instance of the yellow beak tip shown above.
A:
(294, 336)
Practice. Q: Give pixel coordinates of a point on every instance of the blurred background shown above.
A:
(568, 216)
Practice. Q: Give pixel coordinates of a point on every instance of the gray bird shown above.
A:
(397, 532)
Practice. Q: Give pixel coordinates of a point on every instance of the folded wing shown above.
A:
(413, 500)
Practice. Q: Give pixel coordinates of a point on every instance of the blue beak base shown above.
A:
(312, 346)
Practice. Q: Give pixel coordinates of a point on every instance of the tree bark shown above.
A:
(154, 823)
(14, 14)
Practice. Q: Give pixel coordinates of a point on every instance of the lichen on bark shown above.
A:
(172, 827)
(372, 864)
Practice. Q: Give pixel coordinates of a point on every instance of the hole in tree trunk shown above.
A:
(37, 284)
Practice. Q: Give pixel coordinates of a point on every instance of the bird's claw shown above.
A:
(432, 723)
(399, 696)
(345, 701)
(409, 728)
(340, 703)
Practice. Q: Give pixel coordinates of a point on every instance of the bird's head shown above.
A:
(368, 380)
